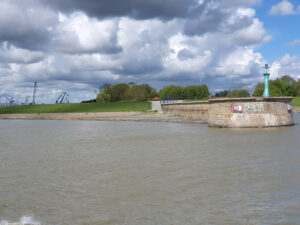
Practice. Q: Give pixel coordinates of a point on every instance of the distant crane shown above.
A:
(34, 93)
(10, 100)
(61, 98)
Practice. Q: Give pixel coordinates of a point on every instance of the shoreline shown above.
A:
(105, 116)
(109, 116)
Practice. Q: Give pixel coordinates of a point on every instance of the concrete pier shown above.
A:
(251, 112)
(237, 112)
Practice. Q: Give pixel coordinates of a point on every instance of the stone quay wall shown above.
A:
(254, 112)
(198, 110)
(237, 112)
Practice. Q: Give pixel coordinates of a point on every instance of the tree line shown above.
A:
(188, 92)
(125, 92)
(284, 86)
(144, 92)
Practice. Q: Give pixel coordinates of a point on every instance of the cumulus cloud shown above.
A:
(287, 65)
(76, 46)
(12, 54)
(26, 24)
(78, 33)
(137, 9)
(146, 9)
(251, 35)
(284, 8)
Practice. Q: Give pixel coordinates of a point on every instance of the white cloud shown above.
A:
(12, 54)
(254, 34)
(78, 33)
(26, 23)
(80, 53)
(287, 65)
(240, 63)
(295, 42)
(284, 8)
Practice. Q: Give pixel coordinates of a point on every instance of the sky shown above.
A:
(77, 46)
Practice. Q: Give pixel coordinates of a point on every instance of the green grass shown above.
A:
(296, 102)
(78, 108)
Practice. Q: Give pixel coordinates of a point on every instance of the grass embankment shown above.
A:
(78, 108)
(296, 102)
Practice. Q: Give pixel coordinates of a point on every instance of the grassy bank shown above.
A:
(78, 108)
(296, 102)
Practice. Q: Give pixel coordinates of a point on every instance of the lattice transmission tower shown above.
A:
(34, 93)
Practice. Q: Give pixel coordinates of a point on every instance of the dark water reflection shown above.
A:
(136, 173)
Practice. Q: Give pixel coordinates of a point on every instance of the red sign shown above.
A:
(289, 107)
(237, 108)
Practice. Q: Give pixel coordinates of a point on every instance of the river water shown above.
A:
(143, 173)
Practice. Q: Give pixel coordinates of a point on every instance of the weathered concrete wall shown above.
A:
(257, 112)
(199, 110)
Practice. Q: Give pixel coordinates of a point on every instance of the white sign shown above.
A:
(237, 108)
(289, 107)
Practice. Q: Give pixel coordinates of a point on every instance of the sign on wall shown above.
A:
(289, 107)
(237, 108)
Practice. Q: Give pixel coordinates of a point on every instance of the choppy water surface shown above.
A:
(136, 173)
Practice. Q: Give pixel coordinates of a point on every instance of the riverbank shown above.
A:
(105, 116)
(129, 106)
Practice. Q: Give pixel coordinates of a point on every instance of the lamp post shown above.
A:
(266, 75)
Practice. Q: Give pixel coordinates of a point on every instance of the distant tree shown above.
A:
(274, 90)
(222, 94)
(136, 93)
(297, 88)
(151, 92)
(238, 93)
(258, 92)
(105, 93)
(285, 88)
(121, 92)
(196, 92)
(191, 92)
(203, 92)
(288, 79)
(103, 97)
(118, 92)
(89, 101)
(278, 87)
(172, 91)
